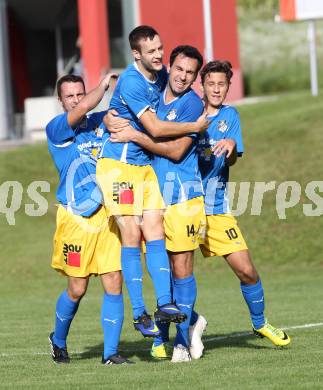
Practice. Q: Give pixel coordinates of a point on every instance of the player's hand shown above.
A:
(222, 146)
(109, 79)
(202, 123)
(113, 122)
(125, 135)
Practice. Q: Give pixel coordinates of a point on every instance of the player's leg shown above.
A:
(158, 266)
(253, 293)
(122, 188)
(184, 294)
(183, 223)
(132, 272)
(66, 308)
(250, 284)
(106, 259)
(224, 238)
(72, 257)
(112, 314)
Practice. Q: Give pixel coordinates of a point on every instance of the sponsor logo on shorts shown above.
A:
(72, 255)
(122, 193)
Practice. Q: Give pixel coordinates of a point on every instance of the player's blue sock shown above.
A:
(65, 312)
(132, 274)
(254, 297)
(164, 337)
(194, 317)
(111, 320)
(185, 296)
(159, 270)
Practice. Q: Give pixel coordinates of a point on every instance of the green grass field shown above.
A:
(283, 141)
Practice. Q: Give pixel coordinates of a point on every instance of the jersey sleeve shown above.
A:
(59, 131)
(190, 112)
(97, 117)
(235, 132)
(134, 93)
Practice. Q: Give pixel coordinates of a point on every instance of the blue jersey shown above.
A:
(134, 94)
(214, 170)
(74, 152)
(180, 180)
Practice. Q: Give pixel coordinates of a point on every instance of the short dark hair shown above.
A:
(217, 66)
(141, 32)
(69, 78)
(188, 51)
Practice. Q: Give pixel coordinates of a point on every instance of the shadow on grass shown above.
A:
(140, 349)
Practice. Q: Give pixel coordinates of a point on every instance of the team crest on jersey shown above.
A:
(98, 132)
(171, 115)
(222, 126)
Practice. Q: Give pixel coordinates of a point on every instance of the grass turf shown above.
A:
(283, 141)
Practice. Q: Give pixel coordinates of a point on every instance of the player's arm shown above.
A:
(91, 100)
(173, 149)
(158, 128)
(133, 92)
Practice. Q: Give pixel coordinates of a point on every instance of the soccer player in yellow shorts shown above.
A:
(218, 150)
(86, 242)
(129, 184)
(176, 165)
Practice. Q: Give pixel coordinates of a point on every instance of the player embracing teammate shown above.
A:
(154, 144)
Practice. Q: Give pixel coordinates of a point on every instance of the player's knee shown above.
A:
(248, 275)
(112, 282)
(131, 238)
(154, 231)
(153, 226)
(76, 291)
(182, 265)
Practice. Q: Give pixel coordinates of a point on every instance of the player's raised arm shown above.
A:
(82, 104)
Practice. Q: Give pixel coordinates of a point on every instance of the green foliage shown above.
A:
(267, 5)
(274, 56)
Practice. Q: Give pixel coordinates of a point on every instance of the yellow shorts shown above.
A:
(128, 189)
(86, 245)
(222, 236)
(184, 223)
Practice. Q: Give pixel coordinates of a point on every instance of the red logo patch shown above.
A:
(122, 193)
(74, 259)
(126, 197)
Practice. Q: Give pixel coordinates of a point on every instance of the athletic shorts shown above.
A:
(184, 224)
(128, 189)
(86, 245)
(222, 236)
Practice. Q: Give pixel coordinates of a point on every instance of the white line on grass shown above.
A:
(229, 336)
(245, 334)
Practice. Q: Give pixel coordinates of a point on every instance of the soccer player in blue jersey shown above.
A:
(129, 184)
(218, 149)
(176, 165)
(85, 241)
